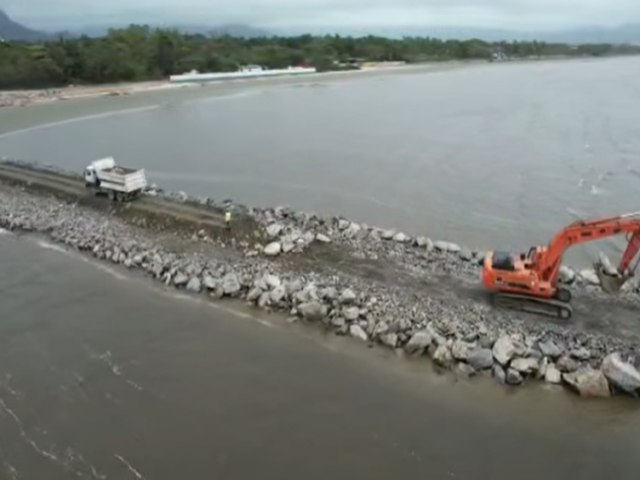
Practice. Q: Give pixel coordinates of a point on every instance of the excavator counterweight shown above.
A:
(530, 281)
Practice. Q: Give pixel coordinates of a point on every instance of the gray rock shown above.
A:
(381, 328)
(389, 339)
(550, 349)
(351, 313)
(209, 282)
(287, 247)
(466, 255)
(460, 350)
(442, 356)
(542, 368)
(356, 331)
(589, 276)
(513, 377)
(423, 242)
(274, 230)
(278, 294)
(387, 234)
(621, 374)
(606, 265)
(194, 285)
(566, 364)
(322, 238)
(525, 365)
(272, 281)
(264, 300)
(588, 382)
(480, 358)
(312, 311)
(418, 342)
(347, 296)
(338, 322)
(465, 370)
(254, 294)
(580, 353)
(230, 284)
(328, 293)
(353, 230)
(552, 375)
(273, 249)
(505, 348)
(447, 246)
(343, 224)
(401, 237)
(566, 275)
(180, 279)
(498, 374)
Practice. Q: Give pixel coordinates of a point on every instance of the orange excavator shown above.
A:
(529, 282)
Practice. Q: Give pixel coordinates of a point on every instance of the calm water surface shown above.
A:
(489, 155)
(102, 375)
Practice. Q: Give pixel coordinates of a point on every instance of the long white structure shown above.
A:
(245, 72)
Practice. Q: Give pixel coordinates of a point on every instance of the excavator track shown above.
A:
(540, 306)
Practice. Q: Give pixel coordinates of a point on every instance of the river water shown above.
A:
(487, 155)
(105, 376)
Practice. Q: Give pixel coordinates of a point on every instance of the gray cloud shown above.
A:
(359, 13)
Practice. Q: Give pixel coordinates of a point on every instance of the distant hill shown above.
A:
(10, 30)
(591, 34)
(234, 30)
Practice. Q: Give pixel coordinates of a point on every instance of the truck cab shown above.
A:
(90, 176)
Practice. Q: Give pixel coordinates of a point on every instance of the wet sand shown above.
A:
(102, 374)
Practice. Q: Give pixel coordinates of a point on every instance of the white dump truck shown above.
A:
(118, 183)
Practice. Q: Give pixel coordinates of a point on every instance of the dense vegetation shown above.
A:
(142, 53)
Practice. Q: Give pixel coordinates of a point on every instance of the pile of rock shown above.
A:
(461, 335)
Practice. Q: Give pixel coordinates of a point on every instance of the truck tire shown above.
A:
(112, 195)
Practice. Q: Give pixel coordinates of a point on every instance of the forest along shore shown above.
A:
(380, 286)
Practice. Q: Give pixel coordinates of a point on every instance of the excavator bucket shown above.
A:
(609, 282)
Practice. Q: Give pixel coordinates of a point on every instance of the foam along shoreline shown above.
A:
(378, 286)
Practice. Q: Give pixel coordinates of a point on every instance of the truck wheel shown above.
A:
(112, 195)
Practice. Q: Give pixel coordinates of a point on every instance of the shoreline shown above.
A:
(381, 287)
(28, 98)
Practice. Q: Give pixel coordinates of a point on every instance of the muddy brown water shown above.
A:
(103, 374)
(486, 155)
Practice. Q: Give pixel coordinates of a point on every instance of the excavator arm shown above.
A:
(580, 232)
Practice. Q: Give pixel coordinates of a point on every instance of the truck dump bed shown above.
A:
(123, 179)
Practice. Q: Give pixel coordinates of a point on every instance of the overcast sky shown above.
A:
(516, 14)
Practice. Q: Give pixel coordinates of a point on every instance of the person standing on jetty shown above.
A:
(227, 220)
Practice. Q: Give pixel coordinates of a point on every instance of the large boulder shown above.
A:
(387, 234)
(312, 311)
(278, 294)
(621, 374)
(180, 279)
(442, 356)
(466, 254)
(273, 249)
(550, 349)
(460, 349)
(322, 238)
(589, 276)
(446, 246)
(513, 377)
(351, 313)
(272, 281)
(418, 342)
(389, 339)
(480, 358)
(525, 365)
(424, 242)
(552, 374)
(401, 237)
(231, 285)
(505, 348)
(566, 275)
(274, 230)
(209, 282)
(356, 331)
(580, 353)
(194, 285)
(347, 296)
(566, 364)
(588, 382)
